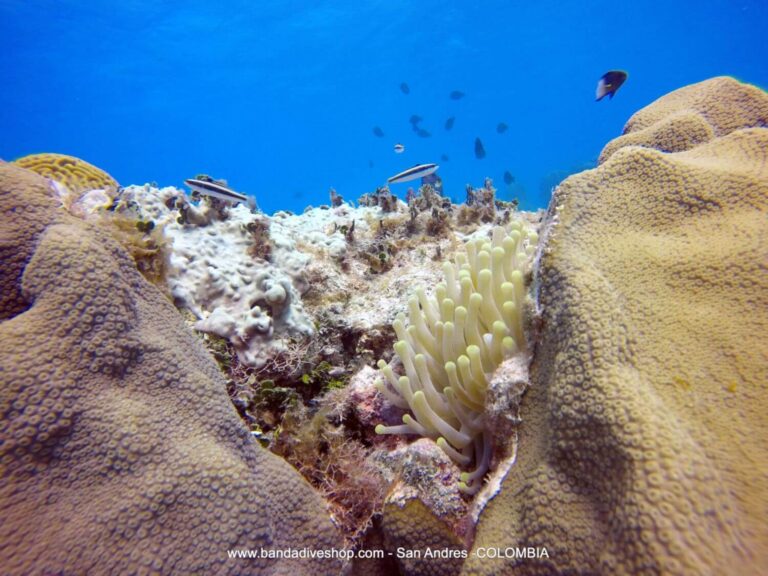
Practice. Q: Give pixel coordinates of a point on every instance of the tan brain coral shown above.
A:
(692, 115)
(642, 448)
(120, 450)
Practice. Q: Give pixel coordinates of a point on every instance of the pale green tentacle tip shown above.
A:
(468, 489)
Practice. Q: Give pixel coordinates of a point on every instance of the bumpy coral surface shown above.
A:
(31, 215)
(692, 115)
(76, 175)
(409, 526)
(215, 271)
(642, 446)
(121, 452)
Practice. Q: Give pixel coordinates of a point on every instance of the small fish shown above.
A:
(431, 179)
(501, 127)
(415, 119)
(421, 133)
(435, 181)
(444, 157)
(479, 149)
(508, 178)
(399, 148)
(418, 171)
(449, 122)
(404, 88)
(378, 132)
(609, 83)
(215, 190)
(456, 95)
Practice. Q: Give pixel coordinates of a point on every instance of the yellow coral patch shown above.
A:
(681, 383)
(76, 175)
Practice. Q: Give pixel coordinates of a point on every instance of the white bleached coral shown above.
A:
(253, 302)
(321, 229)
(454, 341)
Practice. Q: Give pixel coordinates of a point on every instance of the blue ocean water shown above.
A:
(281, 98)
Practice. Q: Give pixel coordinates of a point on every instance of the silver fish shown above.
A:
(418, 171)
(215, 190)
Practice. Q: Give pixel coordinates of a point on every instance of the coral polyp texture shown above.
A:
(693, 115)
(30, 218)
(76, 175)
(453, 342)
(120, 450)
(638, 451)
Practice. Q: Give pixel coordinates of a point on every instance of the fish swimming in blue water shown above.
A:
(433, 180)
(449, 122)
(421, 133)
(479, 149)
(508, 178)
(444, 157)
(415, 119)
(501, 127)
(404, 88)
(378, 132)
(215, 190)
(456, 95)
(399, 148)
(418, 171)
(609, 83)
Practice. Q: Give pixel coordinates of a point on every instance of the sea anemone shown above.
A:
(454, 341)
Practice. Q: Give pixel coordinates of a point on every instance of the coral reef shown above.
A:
(336, 464)
(632, 451)
(228, 266)
(638, 449)
(429, 212)
(336, 199)
(693, 115)
(382, 198)
(440, 551)
(121, 452)
(89, 193)
(72, 176)
(482, 206)
(29, 219)
(144, 242)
